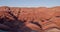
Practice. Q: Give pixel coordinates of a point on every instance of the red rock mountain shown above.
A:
(45, 17)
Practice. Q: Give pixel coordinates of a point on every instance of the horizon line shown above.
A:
(30, 6)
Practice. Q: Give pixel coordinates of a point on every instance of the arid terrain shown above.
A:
(23, 19)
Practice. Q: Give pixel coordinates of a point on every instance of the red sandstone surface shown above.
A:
(46, 17)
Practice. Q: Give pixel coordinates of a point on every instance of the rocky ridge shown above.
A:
(40, 18)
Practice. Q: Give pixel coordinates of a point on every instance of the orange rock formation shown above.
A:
(45, 17)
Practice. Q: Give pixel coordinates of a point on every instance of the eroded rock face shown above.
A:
(30, 18)
(53, 30)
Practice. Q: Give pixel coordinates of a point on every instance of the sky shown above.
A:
(30, 3)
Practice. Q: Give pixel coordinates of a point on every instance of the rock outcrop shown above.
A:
(38, 19)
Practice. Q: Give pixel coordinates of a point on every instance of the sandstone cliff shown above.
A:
(40, 18)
